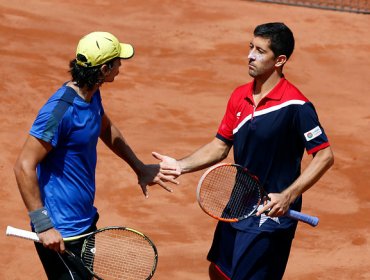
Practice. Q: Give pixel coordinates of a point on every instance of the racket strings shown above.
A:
(244, 197)
(119, 254)
(229, 192)
(215, 193)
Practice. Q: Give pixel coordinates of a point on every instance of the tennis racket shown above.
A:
(110, 253)
(229, 193)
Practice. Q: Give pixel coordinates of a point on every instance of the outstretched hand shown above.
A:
(151, 174)
(169, 166)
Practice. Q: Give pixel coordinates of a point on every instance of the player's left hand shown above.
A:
(276, 205)
(150, 175)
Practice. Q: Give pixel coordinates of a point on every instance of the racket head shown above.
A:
(228, 192)
(120, 253)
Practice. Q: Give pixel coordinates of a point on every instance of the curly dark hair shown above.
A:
(87, 76)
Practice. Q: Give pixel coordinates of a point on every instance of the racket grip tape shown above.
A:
(311, 220)
(11, 231)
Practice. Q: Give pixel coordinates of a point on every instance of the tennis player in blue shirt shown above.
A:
(269, 123)
(55, 170)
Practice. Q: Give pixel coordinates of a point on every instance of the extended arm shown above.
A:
(209, 154)
(147, 174)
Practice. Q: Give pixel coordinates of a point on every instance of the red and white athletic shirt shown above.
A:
(270, 139)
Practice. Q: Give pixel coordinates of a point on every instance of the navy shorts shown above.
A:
(62, 266)
(244, 255)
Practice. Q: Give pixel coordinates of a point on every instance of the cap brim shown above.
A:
(127, 51)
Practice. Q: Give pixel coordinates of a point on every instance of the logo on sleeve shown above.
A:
(313, 133)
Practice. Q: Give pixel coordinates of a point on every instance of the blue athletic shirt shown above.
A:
(67, 174)
(270, 139)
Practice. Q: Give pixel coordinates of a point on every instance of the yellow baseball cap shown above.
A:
(97, 48)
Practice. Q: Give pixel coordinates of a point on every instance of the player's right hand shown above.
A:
(52, 239)
(168, 165)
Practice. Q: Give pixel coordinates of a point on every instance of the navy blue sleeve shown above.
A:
(310, 130)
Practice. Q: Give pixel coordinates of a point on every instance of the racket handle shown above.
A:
(11, 231)
(311, 220)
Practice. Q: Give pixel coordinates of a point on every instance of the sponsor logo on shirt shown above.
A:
(313, 133)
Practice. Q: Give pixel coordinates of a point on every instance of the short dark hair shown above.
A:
(281, 37)
(87, 76)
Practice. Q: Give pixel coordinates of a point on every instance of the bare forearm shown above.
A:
(209, 154)
(123, 150)
(116, 142)
(323, 160)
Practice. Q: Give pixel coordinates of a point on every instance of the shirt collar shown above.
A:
(275, 94)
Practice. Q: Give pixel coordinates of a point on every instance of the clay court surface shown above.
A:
(170, 98)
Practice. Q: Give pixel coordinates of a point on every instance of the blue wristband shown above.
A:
(40, 220)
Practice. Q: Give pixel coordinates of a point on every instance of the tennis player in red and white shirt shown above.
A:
(269, 123)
